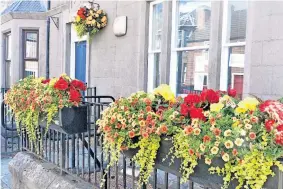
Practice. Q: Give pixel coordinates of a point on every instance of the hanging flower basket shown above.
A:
(56, 101)
(89, 21)
(215, 139)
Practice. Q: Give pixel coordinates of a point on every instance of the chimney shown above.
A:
(200, 18)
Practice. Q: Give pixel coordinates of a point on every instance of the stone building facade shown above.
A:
(188, 45)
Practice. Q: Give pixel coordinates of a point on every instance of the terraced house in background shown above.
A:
(190, 45)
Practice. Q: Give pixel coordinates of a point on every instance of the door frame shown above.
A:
(233, 77)
(74, 39)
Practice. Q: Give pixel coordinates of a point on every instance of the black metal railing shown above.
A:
(10, 141)
(81, 155)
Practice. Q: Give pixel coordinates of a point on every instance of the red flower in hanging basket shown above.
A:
(78, 85)
(61, 84)
(80, 13)
(45, 81)
(232, 92)
(75, 95)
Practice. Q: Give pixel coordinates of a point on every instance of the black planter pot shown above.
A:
(201, 174)
(130, 153)
(70, 120)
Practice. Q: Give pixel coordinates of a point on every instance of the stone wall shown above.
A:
(264, 54)
(30, 173)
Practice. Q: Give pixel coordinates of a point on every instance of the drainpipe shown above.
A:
(47, 40)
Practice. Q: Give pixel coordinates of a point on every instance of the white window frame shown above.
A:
(151, 52)
(225, 46)
(233, 77)
(175, 50)
(74, 39)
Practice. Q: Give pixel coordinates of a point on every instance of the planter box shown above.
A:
(201, 174)
(70, 120)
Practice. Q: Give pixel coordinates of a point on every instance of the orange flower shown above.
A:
(107, 128)
(147, 101)
(234, 152)
(252, 135)
(216, 131)
(122, 148)
(145, 135)
(206, 138)
(189, 130)
(131, 134)
(148, 108)
(164, 129)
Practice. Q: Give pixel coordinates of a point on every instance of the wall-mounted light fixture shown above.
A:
(120, 26)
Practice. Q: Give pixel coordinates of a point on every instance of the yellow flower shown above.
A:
(142, 123)
(166, 92)
(225, 157)
(236, 123)
(248, 126)
(207, 161)
(78, 18)
(247, 104)
(229, 144)
(89, 18)
(216, 143)
(99, 11)
(214, 150)
(91, 12)
(196, 131)
(216, 107)
(202, 147)
(239, 141)
(93, 22)
(103, 19)
(246, 121)
(98, 25)
(53, 81)
(227, 133)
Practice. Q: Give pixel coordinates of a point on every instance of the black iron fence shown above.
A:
(81, 154)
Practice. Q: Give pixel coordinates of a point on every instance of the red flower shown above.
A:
(234, 152)
(78, 85)
(45, 81)
(232, 92)
(75, 95)
(184, 109)
(197, 113)
(252, 135)
(131, 134)
(210, 95)
(145, 135)
(191, 99)
(269, 125)
(279, 128)
(191, 152)
(81, 13)
(206, 138)
(216, 131)
(61, 84)
(279, 138)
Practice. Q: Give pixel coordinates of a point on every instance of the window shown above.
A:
(8, 54)
(190, 44)
(30, 53)
(154, 50)
(233, 45)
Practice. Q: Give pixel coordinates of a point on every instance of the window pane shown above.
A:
(8, 47)
(156, 72)
(31, 68)
(236, 69)
(192, 71)
(8, 74)
(193, 23)
(156, 26)
(237, 19)
(31, 45)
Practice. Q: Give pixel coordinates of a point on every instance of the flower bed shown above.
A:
(33, 100)
(244, 137)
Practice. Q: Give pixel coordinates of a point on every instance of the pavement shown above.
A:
(5, 174)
